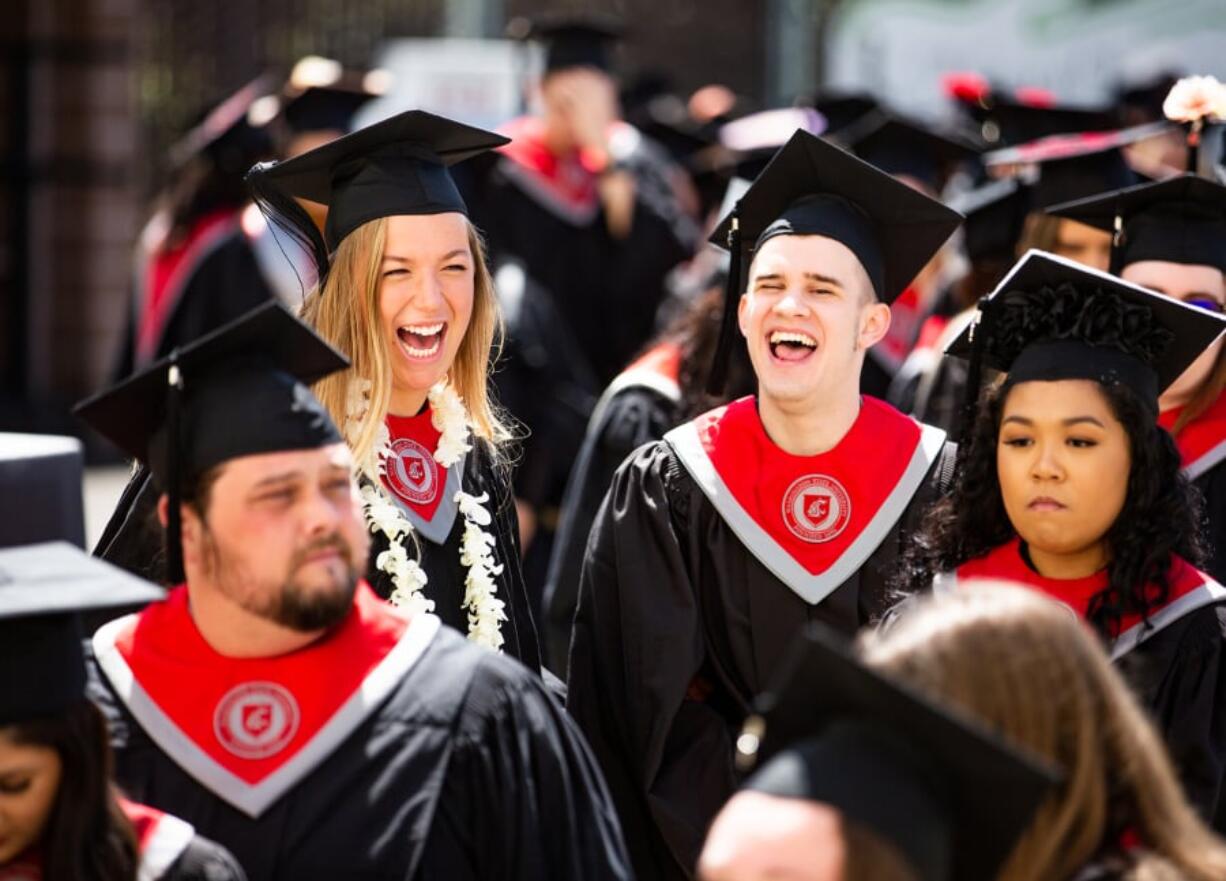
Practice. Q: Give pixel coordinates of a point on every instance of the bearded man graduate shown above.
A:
(717, 544)
(273, 698)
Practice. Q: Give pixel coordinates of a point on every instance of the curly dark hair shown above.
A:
(1161, 516)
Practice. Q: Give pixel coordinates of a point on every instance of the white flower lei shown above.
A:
(485, 611)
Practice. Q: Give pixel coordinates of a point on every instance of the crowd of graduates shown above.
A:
(654, 488)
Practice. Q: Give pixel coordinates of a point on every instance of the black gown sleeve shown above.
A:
(204, 860)
(631, 419)
(1212, 485)
(1180, 674)
(132, 538)
(637, 646)
(523, 797)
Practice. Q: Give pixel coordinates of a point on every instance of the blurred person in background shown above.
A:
(587, 206)
(194, 267)
(61, 816)
(1067, 484)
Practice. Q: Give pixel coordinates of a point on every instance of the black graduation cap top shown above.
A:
(1074, 166)
(812, 187)
(995, 216)
(43, 588)
(1178, 220)
(952, 796)
(903, 146)
(1052, 319)
(397, 166)
(572, 39)
(238, 391)
(225, 134)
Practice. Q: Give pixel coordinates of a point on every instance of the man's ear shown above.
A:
(163, 509)
(874, 324)
(742, 309)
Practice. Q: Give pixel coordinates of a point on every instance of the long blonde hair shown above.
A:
(346, 313)
(1028, 667)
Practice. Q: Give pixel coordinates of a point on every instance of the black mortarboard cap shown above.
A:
(903, 146)
(812, 187)
(995, 215)
(1178, 220)
(572, 39)
(1014, 116)
(324, 108)
(1052, 319)
(841, 108)
(1074, 166)
(225, 135)
(238, 391)
(951, 795)
(43, 590)
(40, 489)
(397, 166)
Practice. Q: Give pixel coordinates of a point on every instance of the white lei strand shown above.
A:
(485, 611)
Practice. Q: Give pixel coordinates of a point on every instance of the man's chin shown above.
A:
(317, 605)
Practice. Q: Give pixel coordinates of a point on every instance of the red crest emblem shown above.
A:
(412, 472)
(816, 508)
(256, 720)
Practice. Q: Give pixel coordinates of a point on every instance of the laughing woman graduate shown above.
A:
(406, 294)
(1069, 486)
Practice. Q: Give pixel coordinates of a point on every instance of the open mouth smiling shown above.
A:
(791, 346)
(421, 342)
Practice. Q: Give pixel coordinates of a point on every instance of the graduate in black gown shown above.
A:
(325, 733)
(1173, 241)
(714, 545)
(63, 816)
(1070, 487)
(195, 268)
(407, 294)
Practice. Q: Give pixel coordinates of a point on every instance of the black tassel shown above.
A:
(174, 534)
(1195, 133)
(980, 331)
(718, 378)
(283, 211)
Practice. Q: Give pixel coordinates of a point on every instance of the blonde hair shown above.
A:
(1032, 670)
(346, 313)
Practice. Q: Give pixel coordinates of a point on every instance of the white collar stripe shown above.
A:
(811, 588)
(165, 844)
(254, 799)
(1206, 595)
(438, 528)
(1204, 463)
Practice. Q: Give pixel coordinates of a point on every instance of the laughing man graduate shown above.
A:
(717, 544)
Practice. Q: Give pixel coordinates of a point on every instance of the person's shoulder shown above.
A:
(204, 860)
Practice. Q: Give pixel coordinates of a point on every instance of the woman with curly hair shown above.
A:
(406, 294)
(1067, 484)
(61, 816)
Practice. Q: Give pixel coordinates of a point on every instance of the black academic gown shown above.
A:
(467, 769)
(438, 551)
(679, 625)
(630, 415)
(171, 850)
(224, 282)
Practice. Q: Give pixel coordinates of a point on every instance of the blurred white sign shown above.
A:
(480, 82)
(1080, 50)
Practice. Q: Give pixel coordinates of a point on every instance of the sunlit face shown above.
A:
(1063, 460)
(29, 781)
(282, 536)
(1085, 244)
(426, 291)
(1203, 286)
(808, 316)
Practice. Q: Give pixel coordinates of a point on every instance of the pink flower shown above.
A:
(1194, 98)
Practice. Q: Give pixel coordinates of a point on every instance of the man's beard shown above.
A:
(290, 604)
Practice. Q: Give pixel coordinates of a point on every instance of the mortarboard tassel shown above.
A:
(980, 331)
(174, 535)
(718, 377)
(285, 213)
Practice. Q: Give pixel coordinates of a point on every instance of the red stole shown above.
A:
(410, 473)
(1202, 443)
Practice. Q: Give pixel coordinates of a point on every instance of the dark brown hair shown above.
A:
(88, 837)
